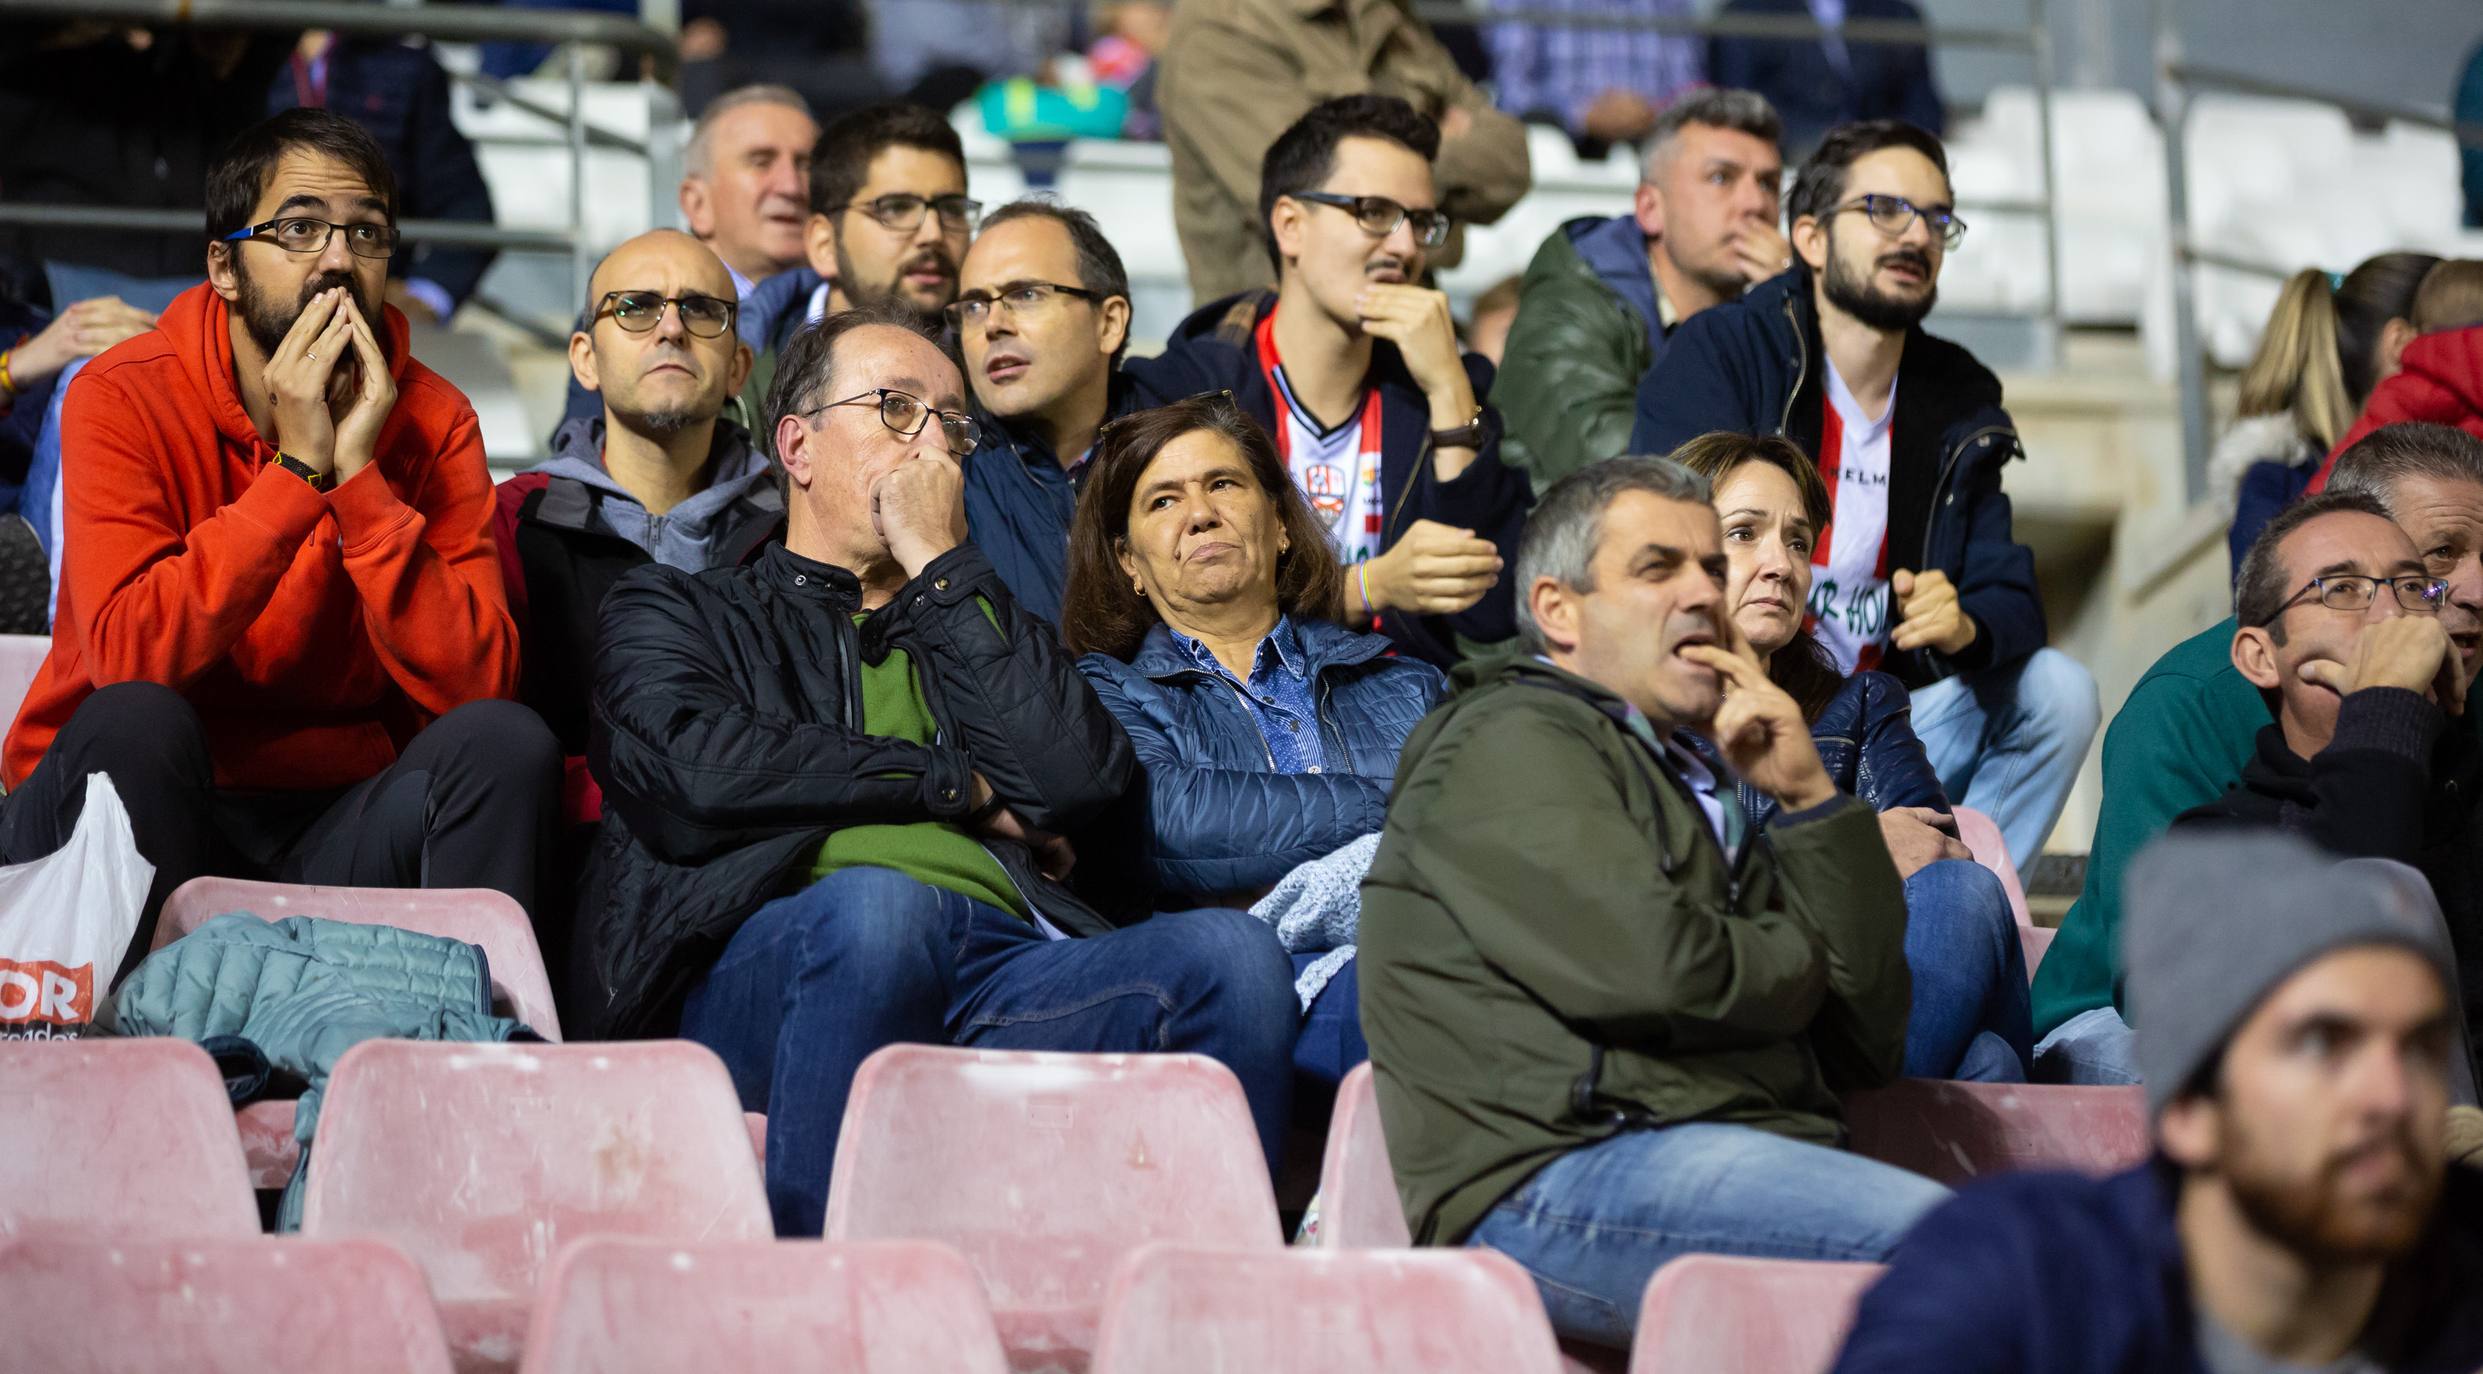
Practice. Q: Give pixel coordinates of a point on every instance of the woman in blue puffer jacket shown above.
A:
(1971, 1016)
(1202, 598)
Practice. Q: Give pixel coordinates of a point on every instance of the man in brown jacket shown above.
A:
(1238, 72)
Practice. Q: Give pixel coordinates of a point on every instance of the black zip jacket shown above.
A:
(726, 734)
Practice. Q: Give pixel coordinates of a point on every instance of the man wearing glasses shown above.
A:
(2341, 630)
(1043, 322)
(281, 623)
(1353, 366)
(1919, 574)
(658, 477)
(837, 780)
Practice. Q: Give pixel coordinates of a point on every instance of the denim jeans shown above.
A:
(1593, 1226)
(1972, 1016)
(2008, 742)
(813, 983)
(1332, 1042)
(2094, 1046)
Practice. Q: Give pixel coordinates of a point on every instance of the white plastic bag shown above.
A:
(66, 920)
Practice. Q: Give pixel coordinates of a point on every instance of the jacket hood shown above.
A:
(1223, 324)
(2251, 441)
(768, 301)
(198, 326)
(577, 454)
(2451, 360)
(1615, 251)
(1932, 365)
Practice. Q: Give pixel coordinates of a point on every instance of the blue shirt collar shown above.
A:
(1283, 642)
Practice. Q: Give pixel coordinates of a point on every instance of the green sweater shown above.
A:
(1549, 919)
(933, 853)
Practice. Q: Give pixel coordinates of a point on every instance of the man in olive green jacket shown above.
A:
(1239, 72)
(1609, 1026)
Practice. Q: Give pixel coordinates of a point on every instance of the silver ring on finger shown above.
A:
(310, 357)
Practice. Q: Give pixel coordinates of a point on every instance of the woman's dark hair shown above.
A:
(240, 172)
(1802, 667)
(1099, 612)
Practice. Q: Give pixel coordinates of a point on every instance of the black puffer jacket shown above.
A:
(726, 734)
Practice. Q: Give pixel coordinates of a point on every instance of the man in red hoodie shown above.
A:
(281, 628)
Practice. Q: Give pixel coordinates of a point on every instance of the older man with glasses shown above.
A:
(1352, 364)
(659, 477)
(838, 780)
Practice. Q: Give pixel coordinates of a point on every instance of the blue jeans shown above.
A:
(2094, 1046)
(1332, 1042)
(1595, 1224)
(813, 983)
(1972, 1016)
(2008, 742)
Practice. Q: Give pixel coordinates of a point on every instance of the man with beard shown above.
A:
(889, 221)
(1353, 366)
(658, 477)
(1043, 321)
(2298, 1214)
(281, 624)
(1919, 574)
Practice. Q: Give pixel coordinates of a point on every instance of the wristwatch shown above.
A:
(1471, 434)
(319, 481)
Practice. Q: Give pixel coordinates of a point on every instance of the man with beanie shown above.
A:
(2299, 1031)
(2340, 629)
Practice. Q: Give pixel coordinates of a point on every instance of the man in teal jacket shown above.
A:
(2192, 723)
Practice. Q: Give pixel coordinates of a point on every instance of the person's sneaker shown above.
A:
(25, 579)
(2466, 1136)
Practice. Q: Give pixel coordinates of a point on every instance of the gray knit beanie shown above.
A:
(2213, 922)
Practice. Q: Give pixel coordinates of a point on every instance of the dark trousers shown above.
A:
(471, 802)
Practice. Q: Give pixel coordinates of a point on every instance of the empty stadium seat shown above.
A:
(1954, 1132)
(1716, 1314)
(1207, 1311)
(232, 1305)
(21, 657)
(650, 1307)
(105, 1137)
(1358, 1204)
(480, 1161)
(2036, 941)
(520, 986)
(1045, 1169)
(1981, 836)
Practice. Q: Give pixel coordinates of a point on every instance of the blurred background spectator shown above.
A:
(397, 90)
(1605, 86)
(1818, 83)
(818, 47)
(1130, 35)
(2469, 111)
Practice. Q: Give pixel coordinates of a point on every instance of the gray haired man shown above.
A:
(745, 185)
(1602, 295)
(1609, 1026)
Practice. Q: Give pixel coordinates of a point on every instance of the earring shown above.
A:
(1138, 587)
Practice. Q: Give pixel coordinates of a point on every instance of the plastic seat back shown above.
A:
(21, 658)
(520, 987)
(648, 1307)
(481, 1161)
(1206, 1311)
(1045, 1169)
(2035, 941)
(235, 1305)
(1716, 1314)
(1954, 1132)
(1981, 835)
(104, 1137)
(1359, 1208)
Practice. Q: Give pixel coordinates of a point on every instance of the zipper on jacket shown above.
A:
(1931, 522)
(1801, 365)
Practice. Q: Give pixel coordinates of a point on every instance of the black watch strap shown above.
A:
(1471, 434)
(319, 481)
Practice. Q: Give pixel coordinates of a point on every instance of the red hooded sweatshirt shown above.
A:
(2439, 378)
(314, 633)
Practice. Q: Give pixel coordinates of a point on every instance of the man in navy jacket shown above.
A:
(1918, 573)
(2298, 1016)
(1354, 368)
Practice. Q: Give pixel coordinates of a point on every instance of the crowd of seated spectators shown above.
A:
(887, 655)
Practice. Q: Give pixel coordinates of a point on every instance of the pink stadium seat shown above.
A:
(1045, 1169)
(1206, 1311)
(479, 916)
(480, 1161)
(1714, 1314)
(1982, 836)
(21, 657)
(648, 1307)
(1954, 1132)
(216, 1306)
(2037, 942)
(1358, 1204)
(117, 1138)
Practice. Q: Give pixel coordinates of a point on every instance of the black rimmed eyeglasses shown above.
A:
(639, 311)
(1379, 216)
(1893, 215)
(2419, 595)
(305, 234)
(906, 414)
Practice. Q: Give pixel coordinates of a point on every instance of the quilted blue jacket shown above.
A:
(1866, 740)
(1222, 820)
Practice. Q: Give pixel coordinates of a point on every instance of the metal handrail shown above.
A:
(2205, 78)
(1889, 32)
(457, 23)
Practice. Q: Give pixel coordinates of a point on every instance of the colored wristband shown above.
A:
(1362, 576)
(8, 383)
